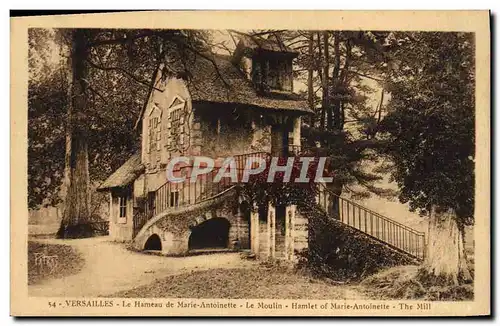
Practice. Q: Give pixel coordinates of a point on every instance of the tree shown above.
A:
(96, 98)
(345, 69)
(430, 135)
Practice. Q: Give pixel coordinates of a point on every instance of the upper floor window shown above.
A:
(280, 74)
(175, 120)
(174, 198)
(176, 117)
(154, 133)
(273, 73)
(154, 130)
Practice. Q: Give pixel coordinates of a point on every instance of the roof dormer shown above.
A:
(267, 62)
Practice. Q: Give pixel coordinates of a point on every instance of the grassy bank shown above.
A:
(239, 283)
(403, 283)
(63, 261)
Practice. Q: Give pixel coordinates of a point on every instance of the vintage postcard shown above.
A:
(271, 163)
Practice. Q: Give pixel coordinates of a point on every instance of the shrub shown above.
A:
(341, 252)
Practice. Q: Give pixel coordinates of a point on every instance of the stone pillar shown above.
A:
(296, 131)
(254, 233)
(179, 243)
(301, 234)
(327, 203)
(290, 232)
(271, 231)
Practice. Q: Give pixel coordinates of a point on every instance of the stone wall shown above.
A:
(223, 131)
(174, 225)
(239, 232)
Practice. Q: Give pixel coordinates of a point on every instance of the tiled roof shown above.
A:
(273, 43)
(227, 84)
(125, 174)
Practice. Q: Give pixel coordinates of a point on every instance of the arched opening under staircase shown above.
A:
(211, 234)
(153, 243)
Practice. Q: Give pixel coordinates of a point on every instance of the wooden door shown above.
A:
(279, 140)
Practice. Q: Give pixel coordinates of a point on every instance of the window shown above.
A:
(175, 123)
(154, 133)
(175, 131)
(279, 76)
(122, 211)
(273, 72)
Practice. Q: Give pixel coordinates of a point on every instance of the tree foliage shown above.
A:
(344, 72)
(120, 65)
(430, 122)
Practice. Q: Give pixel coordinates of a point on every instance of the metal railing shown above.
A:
(140, 218)
(384, 229)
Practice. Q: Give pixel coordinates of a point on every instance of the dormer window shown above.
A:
(272, 73)
(271, 61)
(280, 74)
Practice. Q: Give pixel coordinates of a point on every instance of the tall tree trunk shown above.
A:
(66, 82)
(310, 73)
(379, 118)
(339, 115)
(326, 83)
(336, 84)
(445, 258)
(77, 198)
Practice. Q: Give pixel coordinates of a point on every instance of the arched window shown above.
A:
(154, 130)
(176, 113)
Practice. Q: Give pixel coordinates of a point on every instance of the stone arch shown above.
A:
(153, 242)
(212, 233)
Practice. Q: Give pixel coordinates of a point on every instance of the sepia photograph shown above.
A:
(260, 171)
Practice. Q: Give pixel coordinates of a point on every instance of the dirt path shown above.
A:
(109, 268)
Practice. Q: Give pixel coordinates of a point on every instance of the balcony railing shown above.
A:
(204, 187)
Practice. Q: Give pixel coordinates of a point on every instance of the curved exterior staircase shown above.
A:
(396, 235)
(188, 198)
